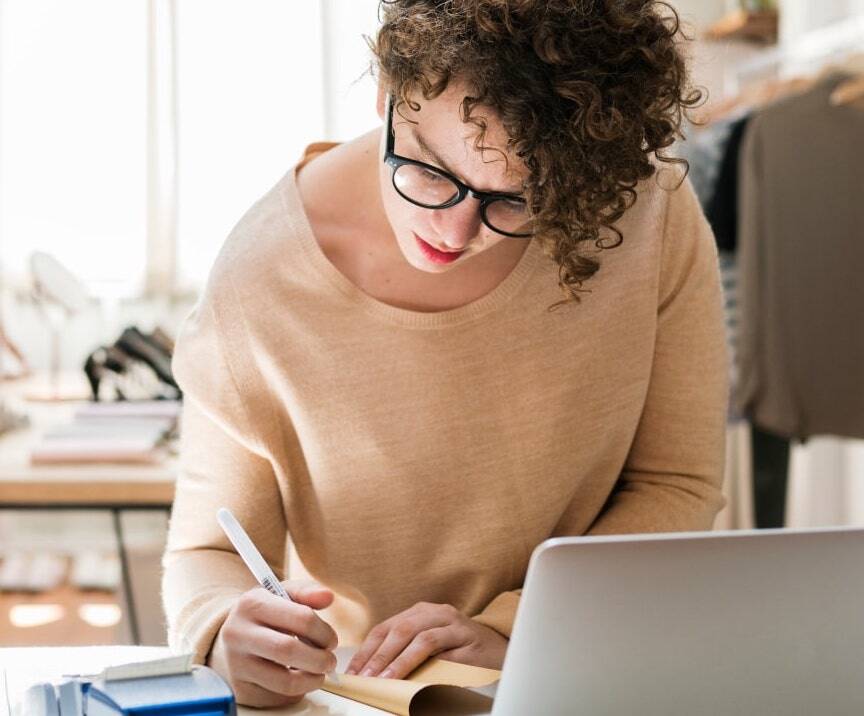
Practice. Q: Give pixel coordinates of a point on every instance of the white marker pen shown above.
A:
(252, 557)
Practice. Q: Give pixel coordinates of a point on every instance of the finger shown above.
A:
(396, 640)
(288, 650)
(309, 593)
(426, 644)
(367, 648)
(408, 624)
(278, 679)
(275, 612)
(402, 632)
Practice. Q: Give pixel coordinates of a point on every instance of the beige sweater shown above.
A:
(412, 456)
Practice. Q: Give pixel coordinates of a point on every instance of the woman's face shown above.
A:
(437, 240)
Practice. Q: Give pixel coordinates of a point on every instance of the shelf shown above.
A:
(743, 25)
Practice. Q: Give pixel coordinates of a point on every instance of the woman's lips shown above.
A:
(436, 256)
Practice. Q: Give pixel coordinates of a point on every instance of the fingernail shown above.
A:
(366, 672)
(353, 672)
(386, 674)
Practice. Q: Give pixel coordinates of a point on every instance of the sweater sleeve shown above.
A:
(673, 473)
(221, 464)
(500, 612)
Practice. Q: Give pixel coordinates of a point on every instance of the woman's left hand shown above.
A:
(397, 646)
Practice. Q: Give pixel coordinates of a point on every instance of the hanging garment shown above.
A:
(712, 154)
(703, 149)
(721, 208)
(801, 258)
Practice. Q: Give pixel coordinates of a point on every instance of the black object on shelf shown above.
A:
(136, 367)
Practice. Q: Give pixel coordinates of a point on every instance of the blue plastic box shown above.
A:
(202, 692)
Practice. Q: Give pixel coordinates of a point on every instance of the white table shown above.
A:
(26, 666)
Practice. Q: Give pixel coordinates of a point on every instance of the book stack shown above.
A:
(128, 432)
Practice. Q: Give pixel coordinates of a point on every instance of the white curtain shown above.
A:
(825, 486)
(826, 483)
(72, 137)
(255, 81)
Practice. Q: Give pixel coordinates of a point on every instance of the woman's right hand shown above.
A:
(259, 652)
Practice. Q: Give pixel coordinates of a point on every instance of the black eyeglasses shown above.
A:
(433, 188)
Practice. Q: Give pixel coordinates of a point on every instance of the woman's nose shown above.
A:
(458, 225)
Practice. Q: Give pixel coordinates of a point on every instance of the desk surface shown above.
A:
(26, 666)
(98, 484)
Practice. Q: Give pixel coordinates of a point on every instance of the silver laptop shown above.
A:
(749, 623)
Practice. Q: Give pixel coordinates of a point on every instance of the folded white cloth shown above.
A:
(95, 570)
(37, 572)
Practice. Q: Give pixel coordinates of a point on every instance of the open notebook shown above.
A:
(436, 687)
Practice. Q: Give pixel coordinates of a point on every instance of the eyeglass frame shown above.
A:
(394, 161)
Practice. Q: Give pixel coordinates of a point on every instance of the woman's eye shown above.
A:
(513, 207)
(429, 175)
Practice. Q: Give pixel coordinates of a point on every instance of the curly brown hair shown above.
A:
(586, 90)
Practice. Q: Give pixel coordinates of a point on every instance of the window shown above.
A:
(249, 84)
(72, 137)
(249, 98)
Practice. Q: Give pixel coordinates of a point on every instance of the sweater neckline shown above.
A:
(492, 301)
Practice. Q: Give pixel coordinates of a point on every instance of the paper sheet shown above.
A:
(437, 687)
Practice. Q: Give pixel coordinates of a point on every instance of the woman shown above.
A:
(494, 321)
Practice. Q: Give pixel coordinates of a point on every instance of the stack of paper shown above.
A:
(110, 432)
(131, 409)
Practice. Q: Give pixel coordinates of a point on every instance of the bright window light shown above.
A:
(248, 85)
(250, 98)
(26, 616)
(100, 615)
(73, 137)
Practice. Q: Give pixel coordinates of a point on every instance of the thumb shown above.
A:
(311, 594)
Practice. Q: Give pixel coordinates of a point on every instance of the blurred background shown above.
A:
(135, 134)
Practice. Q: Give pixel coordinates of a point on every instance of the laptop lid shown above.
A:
(750, 622)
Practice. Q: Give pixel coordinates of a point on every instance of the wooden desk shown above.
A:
(77, 487)
(73, 486)
(26, 666)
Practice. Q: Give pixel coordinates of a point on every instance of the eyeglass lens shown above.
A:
(431, 189)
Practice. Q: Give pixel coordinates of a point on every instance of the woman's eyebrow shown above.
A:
(432, 154)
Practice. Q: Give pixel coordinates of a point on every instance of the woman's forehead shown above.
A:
(439, 132)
